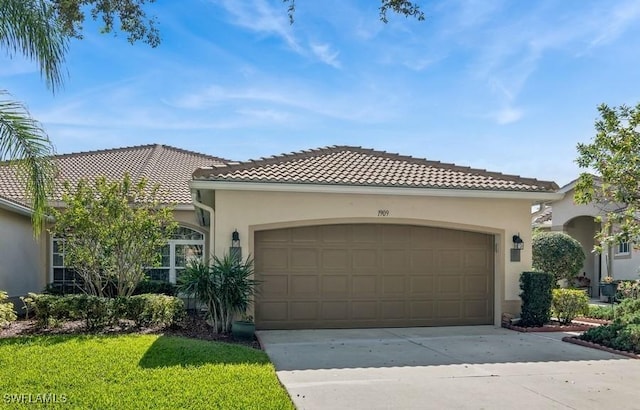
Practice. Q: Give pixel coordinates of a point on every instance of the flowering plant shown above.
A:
(607, 279)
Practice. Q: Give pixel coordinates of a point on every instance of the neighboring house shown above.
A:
(28, 264)
(348, 237)
(577, 220)
(341, 236)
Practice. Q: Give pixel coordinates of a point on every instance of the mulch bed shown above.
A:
(191, 327)
(577, 341)
(551, 327)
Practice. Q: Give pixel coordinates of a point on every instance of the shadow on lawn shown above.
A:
(169, 351)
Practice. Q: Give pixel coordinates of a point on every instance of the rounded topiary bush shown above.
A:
(557, 253)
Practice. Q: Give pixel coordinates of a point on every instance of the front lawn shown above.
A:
(135, 371)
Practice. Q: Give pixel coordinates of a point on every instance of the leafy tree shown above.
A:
(111, 232)
(27, 29)
(614, 154)
(402, 7)
(557, 253)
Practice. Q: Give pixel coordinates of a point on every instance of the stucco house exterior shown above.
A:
(28, 264)
(341, 236)
(350, 237)
(564, 215)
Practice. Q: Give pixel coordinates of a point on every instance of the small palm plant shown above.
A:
(225, 286)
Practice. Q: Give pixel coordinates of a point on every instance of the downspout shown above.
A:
(212, 213)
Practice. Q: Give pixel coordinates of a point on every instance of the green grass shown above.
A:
(136, 371)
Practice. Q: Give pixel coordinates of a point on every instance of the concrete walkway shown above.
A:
(448, 368)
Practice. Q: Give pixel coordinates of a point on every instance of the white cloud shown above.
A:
(508, 115)
(326, 54)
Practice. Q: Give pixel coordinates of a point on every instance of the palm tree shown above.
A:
(29, 28)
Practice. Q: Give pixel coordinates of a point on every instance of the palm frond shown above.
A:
(25, 144)
(29, 27)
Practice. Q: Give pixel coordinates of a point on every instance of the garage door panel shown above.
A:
(364, 286)
(304, 258)
(335, 310)
(364, 260)
(364, 233)
(393, 310)
(303, 311)
(449, 261)
(450, 285)
(303, 286)
(333, 234)
(335, 286)
(272, 259)
(364, 310)
(394, 260)
(276, 286)
(336, 260)
(394, 285)
(373, 275)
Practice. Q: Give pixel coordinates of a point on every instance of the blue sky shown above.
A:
(509, 86)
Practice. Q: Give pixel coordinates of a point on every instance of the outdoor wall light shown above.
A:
(235, 251)
(235, 239)
(518, 245)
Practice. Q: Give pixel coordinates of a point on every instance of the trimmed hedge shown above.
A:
(557, 253)
(567, 304)
(7, 313)
(148, 310)
(536, 298)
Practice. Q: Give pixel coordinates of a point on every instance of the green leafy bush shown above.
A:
(603, 335)
(7, 313)
(98, 312)
(155, 310)
(536, 298)
(569, 303)
(629, 289)
(624, 332)
(559, 254)
(155, 286)
(600, 312)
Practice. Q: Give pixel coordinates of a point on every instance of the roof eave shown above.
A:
(373, 190)
(15, 207)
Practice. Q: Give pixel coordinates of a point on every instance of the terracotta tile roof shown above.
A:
(160, 164)
(543, 217)
(356, 166)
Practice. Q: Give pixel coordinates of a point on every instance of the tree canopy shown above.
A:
(614, 154)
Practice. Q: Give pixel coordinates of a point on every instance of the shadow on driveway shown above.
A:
(435, 346)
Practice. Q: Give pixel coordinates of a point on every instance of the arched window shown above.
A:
(184, 245)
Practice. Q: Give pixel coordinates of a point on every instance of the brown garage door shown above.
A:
(373, 275)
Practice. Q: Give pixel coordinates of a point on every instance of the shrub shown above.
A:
(155, 310)
(600, 312)
(559, 254)
(569, 303)
(225, 287)
(155, 286)
(98, 312)
(627, 309)
(7, 313)
(629, 289)
(603, 335)
(536, 298)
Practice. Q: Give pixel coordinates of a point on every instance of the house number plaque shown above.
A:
(383, 212)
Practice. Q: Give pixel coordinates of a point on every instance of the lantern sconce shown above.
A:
(518, 245)
(235, 251)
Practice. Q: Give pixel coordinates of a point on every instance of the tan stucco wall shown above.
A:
(21, 256)
(250, 211)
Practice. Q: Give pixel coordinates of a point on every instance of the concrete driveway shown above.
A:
(448, 368)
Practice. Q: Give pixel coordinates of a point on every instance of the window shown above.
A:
(185, 245)
(623, 248)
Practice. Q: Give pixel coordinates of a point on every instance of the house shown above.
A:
(28, 264)
(349, 237)
(578, 220)
(341, 236)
